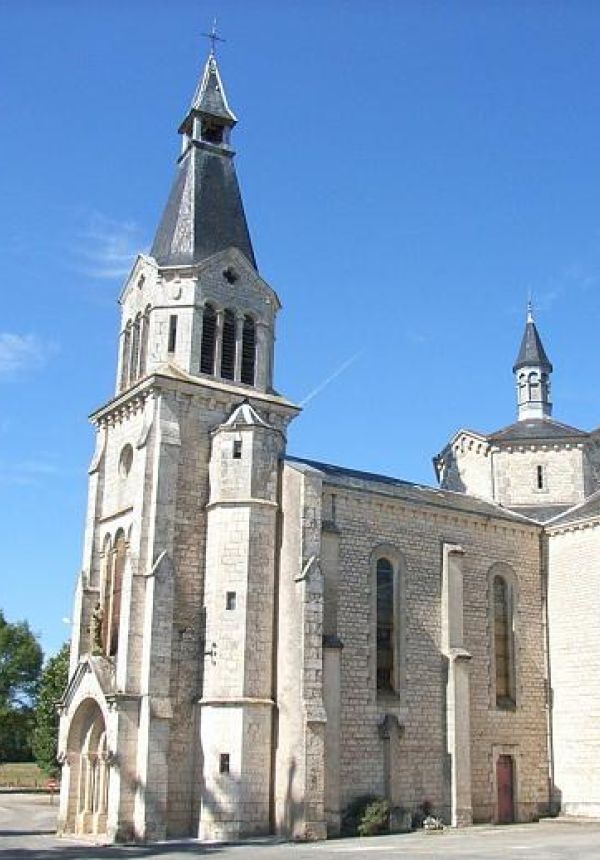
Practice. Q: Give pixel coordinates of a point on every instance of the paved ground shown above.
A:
(26, 833)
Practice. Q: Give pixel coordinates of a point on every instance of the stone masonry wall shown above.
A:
(366, 520)
(515, 475)
(574, 633)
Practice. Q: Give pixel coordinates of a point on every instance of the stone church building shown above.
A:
(260, 639)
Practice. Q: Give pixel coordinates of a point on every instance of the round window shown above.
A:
(125, 461)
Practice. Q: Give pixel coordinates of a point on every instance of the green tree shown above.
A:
(20, 664)
(45, 733)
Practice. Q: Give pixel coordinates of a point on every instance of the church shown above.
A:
(261, 639)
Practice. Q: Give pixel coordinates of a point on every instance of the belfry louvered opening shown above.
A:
(228, 346)
(209, 336)
(248, 350)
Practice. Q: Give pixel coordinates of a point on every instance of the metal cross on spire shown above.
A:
(213, 38)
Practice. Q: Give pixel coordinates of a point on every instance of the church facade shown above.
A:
(260, 639)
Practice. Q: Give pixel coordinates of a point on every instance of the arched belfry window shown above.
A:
(135, 349)
(145, 330)
(228, 346)
(126, 356)
(385, 624)
(209, 337)
(534, 386)
(502, 612)
(248, 350)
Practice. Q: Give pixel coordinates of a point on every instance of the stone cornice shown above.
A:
(443, 512)
(206, 390)
(573, 526)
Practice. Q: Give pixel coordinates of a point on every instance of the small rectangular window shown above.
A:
(230, 600)
(172, 333)
(224, 763)
(540, 477)
(237, 449)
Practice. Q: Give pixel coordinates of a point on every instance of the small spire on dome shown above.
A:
(530, 318)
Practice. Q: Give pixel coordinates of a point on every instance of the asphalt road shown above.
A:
(27, 822)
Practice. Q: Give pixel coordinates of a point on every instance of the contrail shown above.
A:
(344, 366)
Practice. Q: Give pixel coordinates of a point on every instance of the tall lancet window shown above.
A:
(385, 624)
(503, 644)
(209, 338)
(228, 345)
(116, 588)
(248, 350)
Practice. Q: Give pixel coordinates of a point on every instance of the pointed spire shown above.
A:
(532, 370)
(532, 351)
(210, 97)
(204, 213)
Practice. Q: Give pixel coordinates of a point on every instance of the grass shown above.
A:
(22, 775)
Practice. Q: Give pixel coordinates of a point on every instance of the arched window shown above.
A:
(104, 603)
(228, 346)
(126, 356)
(135, 349)
(385, 624)
(503, 643)
(145, 323)
(116, 587)
(534, 386)
(209, 336)
(248, 350)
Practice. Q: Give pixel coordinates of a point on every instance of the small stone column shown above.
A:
(239, 332)
(458, 731)
(218, 343)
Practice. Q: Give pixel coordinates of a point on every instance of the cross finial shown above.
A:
(530, 307)
(213, 38)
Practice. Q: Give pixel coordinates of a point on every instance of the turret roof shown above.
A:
(204, 213)
(532, 351)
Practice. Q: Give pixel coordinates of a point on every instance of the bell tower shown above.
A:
(170, 701)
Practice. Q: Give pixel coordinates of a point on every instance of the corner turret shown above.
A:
(532, 371)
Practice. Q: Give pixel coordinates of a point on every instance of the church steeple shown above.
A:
(532, 370)
(204, 213)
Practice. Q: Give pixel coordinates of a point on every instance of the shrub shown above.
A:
(375, 819)
(354, 813)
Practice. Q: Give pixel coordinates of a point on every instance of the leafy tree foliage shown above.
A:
(20, 664)
(51, 687)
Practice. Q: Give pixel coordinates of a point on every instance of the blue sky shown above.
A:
(410, 170)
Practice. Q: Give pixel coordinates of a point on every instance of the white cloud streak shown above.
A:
(21, 352)
(329, 379)
(27, 473)
(106, 248)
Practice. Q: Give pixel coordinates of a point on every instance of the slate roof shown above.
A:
(204, 213)
(535, 428)
(532, 350)
(210, 95)
(417, 494)
(584, 511)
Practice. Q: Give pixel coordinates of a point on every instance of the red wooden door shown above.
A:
(505, 783)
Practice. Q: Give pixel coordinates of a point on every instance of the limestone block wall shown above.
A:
(466, 467)
(414, 728)
(153, 295)
(591, 464)
(515, 475)
(300, 751)
(574, 634)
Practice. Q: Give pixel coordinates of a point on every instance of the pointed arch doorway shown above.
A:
(87, 754)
